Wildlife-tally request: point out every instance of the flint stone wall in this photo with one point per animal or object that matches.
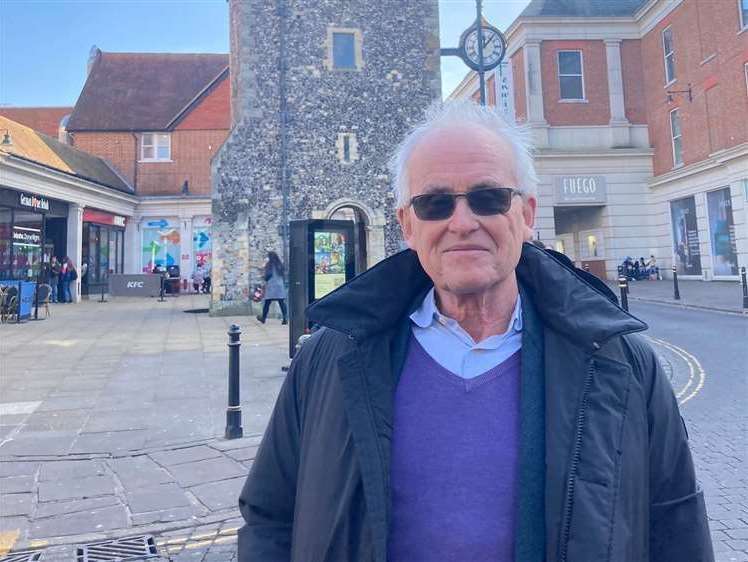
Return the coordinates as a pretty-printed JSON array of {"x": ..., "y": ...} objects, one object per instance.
[{"x": 397, "y": 79}]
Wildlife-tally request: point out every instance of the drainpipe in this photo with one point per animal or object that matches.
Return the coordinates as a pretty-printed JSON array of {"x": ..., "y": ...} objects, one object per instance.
[{"x": 135, "y": 166}]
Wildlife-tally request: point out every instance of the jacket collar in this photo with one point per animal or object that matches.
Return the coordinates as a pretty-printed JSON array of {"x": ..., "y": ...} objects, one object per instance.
[{"x": 380, "y": 298}]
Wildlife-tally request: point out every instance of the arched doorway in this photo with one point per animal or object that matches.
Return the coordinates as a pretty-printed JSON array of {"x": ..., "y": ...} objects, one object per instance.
[{"x": 351, "y": 213}]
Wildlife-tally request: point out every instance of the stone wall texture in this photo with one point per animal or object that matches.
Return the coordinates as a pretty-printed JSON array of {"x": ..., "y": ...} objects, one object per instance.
[{"x": 397, "y": 78}]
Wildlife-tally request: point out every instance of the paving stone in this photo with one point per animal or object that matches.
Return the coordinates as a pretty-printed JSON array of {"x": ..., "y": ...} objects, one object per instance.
[
  {"x": 109, "y": 442},
  {"x": 70, "y": 470},
  {"x": 18, "y": 468},
  {"x": 185, "y": 455},
  {"x": 210, "y": 470},
  {"x": 219, "y": 495},
  {"x": 167, "y": 515},
  {"x": 243, "y": 454},
  {"x": 13, "y": 524},
  {"x": 156, "y": 498},
  {"x": 15, "y": 504},
  {"x": 88, "y": 487},
  {"x": 136, "y": 472},
  {"x": 737, "y": 533},
  {"x": 94, "y": 521},
  {"x": 16, "y": 484},
  {"x": 50, "y": 509},
  {"x": 39, "y": 443}
]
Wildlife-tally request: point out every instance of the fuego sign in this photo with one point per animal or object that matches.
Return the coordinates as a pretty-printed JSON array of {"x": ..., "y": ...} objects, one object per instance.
[{"x": 580, "y": 190}]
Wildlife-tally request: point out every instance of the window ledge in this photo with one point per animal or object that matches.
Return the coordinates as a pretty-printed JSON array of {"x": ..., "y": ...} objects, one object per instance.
[
  {"x": 573, "y": 101},
  {"x": 678, "y": 166},
  {"x": 154, "y": 161}
]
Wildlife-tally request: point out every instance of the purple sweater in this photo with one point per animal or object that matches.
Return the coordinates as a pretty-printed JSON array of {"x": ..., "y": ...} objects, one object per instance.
[{"x": 454, "y": 466}]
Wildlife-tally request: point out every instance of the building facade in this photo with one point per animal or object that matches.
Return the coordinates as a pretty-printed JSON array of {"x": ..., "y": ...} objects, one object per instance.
[
  {"x": 319, "y": 100},
  {"x": 159, "y": 119},
  {"x": 58, "y": 201},
  {"x": 638, "y": 112}
]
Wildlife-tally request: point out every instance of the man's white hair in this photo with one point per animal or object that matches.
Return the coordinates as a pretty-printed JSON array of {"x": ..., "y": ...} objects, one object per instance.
[{"x": 448, "y": 114}]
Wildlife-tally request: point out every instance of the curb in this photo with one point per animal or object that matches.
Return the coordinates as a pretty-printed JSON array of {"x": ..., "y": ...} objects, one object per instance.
[
  {"x": 151, "y": 529},
  {"x": 733, "y": 311}
]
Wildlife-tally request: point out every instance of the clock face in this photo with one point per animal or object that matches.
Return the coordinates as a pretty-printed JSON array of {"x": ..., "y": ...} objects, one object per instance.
[{"x": 493, "y": 48}]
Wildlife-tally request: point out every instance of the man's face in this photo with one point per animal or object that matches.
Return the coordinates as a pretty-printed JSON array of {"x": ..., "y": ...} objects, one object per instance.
[{"x": 466, "y": 253}]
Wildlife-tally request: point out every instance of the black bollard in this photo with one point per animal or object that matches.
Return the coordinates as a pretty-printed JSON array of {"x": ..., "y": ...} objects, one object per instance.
[
  {"x": 102, "y": 294},
  {"x": 161, "y": 292},
  {"x": 234, "y": 410},
  {"x": 744, "y": 283},
  {"x": 676, "y": 292},
  {"x": 624, "y": 286}
]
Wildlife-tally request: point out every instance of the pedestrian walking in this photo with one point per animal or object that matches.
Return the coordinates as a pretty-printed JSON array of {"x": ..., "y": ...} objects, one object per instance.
[
  {"x": 275, "y": 287},
  {"x": 473, "y": 397}
]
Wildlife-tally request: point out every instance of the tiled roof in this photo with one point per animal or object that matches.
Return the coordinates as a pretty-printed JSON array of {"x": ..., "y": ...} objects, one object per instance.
[
  {"x": 43, "y": 119},
  {"x": 42, "y": 149},
  {"x": 581, "y": 8},
  {"x": 142, "y": 91}
]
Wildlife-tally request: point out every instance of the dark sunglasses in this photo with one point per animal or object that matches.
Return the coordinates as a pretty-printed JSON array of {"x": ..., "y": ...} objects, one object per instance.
[{"x": 482, "y": 202}]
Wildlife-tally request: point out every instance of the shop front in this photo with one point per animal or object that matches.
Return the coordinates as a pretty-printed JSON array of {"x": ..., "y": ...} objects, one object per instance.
[
  {"x": 578, "y": 205},
  {"x": 32, "y": 230},
  {"x": 103, "y": 251}
]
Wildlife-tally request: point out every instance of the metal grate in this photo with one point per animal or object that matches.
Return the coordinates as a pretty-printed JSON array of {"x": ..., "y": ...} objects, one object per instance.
[
  {"x": 131, "y": 549},
  {"x": 22, "y": 557}
]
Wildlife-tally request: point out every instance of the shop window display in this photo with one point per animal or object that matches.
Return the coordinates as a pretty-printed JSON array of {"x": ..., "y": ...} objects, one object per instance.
[{"x": 161, "y": 245}]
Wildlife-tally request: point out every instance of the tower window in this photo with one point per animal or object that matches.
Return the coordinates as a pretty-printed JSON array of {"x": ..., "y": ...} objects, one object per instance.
[{"x": 344, "y": 50}]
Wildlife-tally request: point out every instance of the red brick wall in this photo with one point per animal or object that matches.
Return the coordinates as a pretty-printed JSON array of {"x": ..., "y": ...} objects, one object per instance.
[
  {"x": 490, "y": 92},
  {"x": 518, "y": 79},
  {"x": 596, "y": 109},
  {"x": 191, "y": 152},
  {"x": 633, "y": 82},
  {"x": 117, "y": 148},
  {"x": 213, "y": 112},
  {"x": 709, "y": 54}
]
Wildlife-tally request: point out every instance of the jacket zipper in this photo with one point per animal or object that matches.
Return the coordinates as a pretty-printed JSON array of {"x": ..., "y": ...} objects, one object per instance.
[{"x": 571, "y": 483}]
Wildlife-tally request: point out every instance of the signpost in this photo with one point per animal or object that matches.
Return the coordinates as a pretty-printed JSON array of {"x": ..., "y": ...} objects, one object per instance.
[{"x": 482, "y": 48}]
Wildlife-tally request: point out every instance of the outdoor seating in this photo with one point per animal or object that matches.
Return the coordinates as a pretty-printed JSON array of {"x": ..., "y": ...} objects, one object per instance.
[
  {"x": 43, "y": 296},
  {"x": 9, "y": 304}
]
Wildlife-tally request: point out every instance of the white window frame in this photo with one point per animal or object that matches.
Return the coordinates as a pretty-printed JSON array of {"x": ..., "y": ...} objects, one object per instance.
[
  {"x": 558, "y": 72},
  {"x": 743, "y": 22},
  {"x": 676, "y": 163},
  {"x": 669, "y": 79},
  {"x": 154, "y": 143}
]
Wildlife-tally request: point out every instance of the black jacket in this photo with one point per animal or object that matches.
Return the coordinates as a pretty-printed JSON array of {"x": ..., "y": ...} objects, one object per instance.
[{"x": 619, "y": 479}]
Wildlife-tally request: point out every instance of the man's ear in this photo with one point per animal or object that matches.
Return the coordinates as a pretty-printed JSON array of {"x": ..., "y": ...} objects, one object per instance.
[
  {"x": 529, "y": 207},
  {"x": 406, "y": 224}
]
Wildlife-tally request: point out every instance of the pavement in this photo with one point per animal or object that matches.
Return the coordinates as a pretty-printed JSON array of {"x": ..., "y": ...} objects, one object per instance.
[
  {"x": 112, "y": 418},
  {"x": 111, "y": 425},
  {"x": 723, "y": 296}
]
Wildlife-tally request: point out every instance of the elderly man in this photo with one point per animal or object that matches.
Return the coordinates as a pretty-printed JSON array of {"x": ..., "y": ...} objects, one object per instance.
[{"x": 473, "y": 398}]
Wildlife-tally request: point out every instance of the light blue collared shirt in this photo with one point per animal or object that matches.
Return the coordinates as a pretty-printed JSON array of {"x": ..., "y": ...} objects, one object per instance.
[{"x": 454, "y": 349}]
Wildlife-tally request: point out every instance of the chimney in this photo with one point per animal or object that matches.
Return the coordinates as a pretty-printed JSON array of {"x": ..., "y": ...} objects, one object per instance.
[{"x": 93, "y": 54}]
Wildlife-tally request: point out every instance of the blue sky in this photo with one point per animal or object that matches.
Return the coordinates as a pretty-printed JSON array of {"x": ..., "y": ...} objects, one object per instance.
[{"x": 44, "y": 44}]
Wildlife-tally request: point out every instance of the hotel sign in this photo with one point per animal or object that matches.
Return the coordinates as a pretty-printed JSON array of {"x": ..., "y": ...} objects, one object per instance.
[
  {"x": 580, "y": 190},
  {"x": 33, "y": 201}
]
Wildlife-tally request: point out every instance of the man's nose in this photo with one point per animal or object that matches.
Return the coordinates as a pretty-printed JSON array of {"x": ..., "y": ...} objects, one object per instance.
[{"x": 463, "y": 219}]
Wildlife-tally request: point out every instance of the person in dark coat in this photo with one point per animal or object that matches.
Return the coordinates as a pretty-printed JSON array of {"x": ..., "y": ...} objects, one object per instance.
[
  {"x": 474, "y": 397},
  {"x": 275, "y": 287}
]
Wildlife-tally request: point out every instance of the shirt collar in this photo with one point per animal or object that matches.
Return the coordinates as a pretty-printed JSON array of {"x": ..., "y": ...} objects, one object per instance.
[{"x": 428, "y": 313}]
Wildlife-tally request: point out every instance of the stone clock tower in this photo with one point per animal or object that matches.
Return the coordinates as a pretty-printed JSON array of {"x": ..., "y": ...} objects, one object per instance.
[{"x": 322, "y": 90}]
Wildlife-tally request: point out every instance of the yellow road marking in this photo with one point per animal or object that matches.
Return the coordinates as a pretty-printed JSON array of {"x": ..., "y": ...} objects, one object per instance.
[
  {"x": 196, "y": 541},
  {"x": 7, "y": 540},
  {"x": 38, "y": 543},
  {"x": 697, "y": 374}
]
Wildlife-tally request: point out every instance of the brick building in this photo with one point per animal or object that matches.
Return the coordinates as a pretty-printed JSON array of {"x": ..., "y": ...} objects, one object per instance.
[
  {"x": 158, "y": 119},
  {"x": 638, "y": 110}
]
